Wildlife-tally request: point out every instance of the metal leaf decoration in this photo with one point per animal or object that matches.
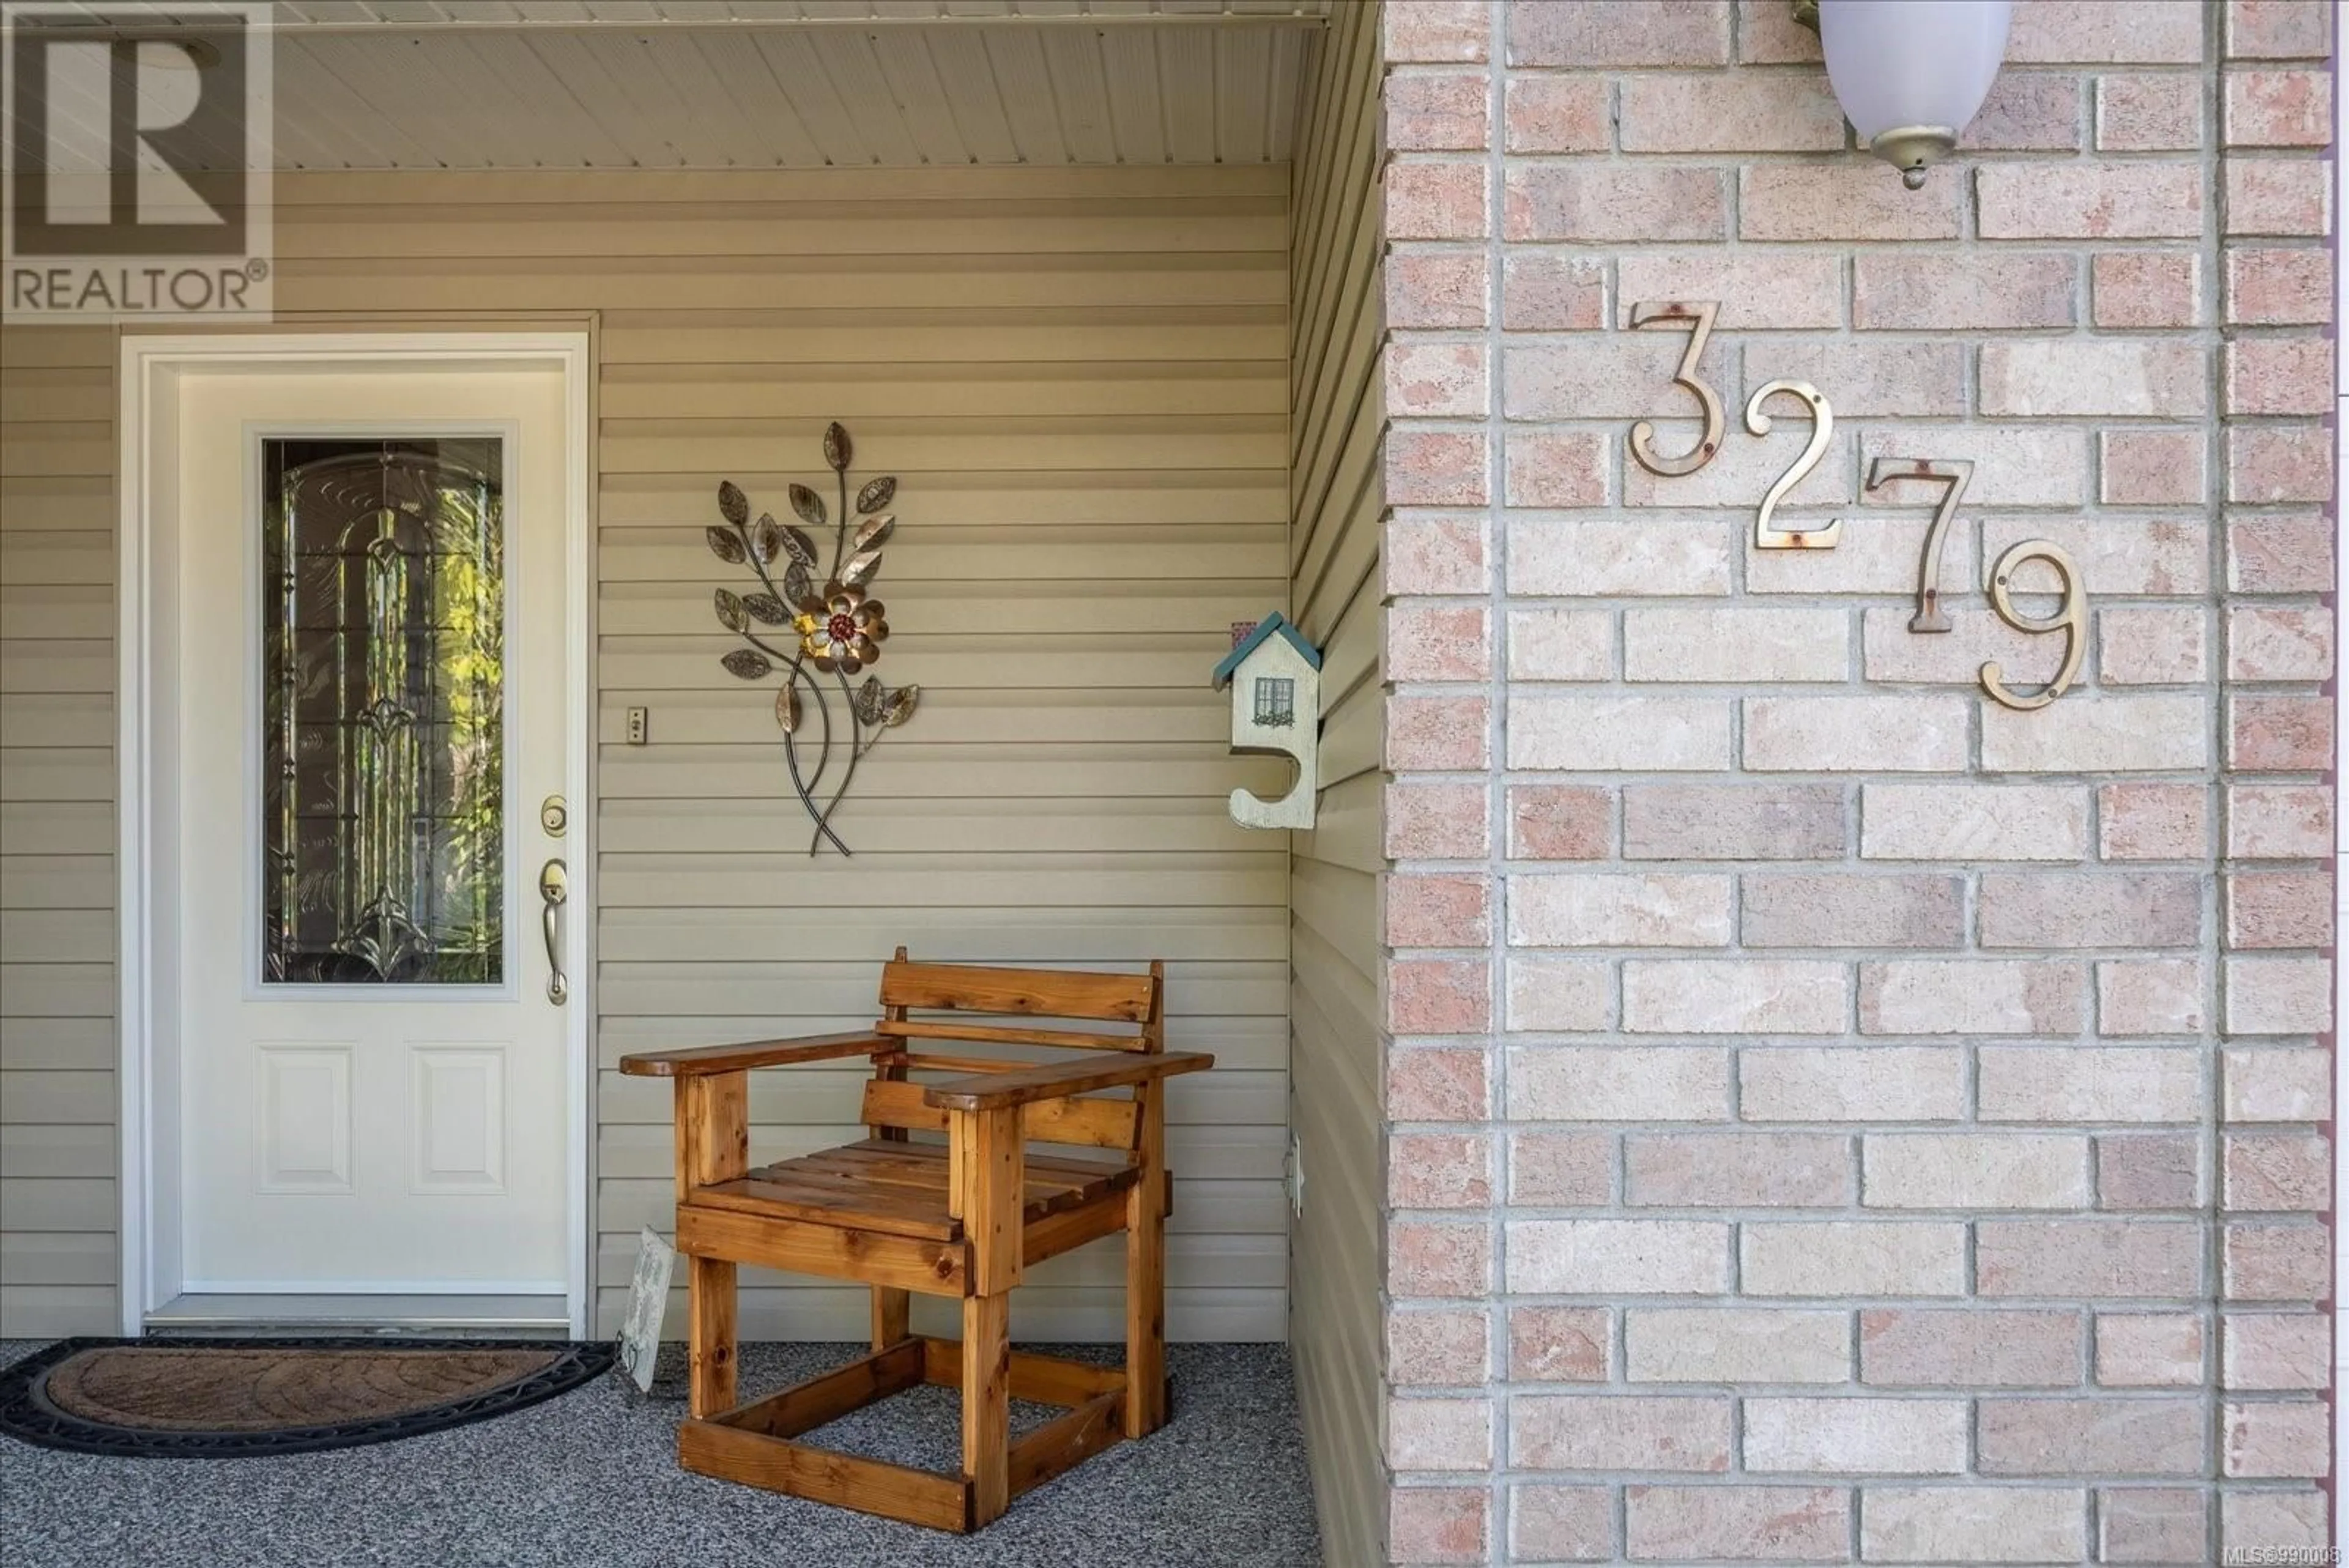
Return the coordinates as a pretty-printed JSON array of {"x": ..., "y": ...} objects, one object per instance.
[
  {"x": 766, "y": 539},
  {"x": 808, "y": 504},
  {"x": 821, "y": 554}
]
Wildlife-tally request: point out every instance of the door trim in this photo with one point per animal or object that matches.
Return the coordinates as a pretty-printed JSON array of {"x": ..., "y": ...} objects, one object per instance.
[{"x": 148, "y": 1079}]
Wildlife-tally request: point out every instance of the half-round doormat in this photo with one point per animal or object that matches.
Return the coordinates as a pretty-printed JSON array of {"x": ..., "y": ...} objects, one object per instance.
[{"x": 237, "y": 1398}]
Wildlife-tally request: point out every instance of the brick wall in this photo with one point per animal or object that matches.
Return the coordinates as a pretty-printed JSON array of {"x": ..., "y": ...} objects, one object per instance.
[{"x": 1834, "y": 1117}]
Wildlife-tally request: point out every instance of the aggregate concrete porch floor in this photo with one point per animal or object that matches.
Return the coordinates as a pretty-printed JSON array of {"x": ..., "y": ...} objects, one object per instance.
[{"x": 590, "y": 1480}]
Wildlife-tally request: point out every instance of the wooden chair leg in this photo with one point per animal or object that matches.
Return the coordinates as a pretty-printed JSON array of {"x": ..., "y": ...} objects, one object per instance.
[
  {"x": 891, "y": 1316},
  {"x": 709, "y": 1336},
  {"x": 986, "y": 1405},
  {"x": 1145, "y": 1306}
]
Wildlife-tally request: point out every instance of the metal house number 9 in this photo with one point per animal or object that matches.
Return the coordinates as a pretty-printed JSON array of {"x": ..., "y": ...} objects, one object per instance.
[{"x": 2071, "y": 618}]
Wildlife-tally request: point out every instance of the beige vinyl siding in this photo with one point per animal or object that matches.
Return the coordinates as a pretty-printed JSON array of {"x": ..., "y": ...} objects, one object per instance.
[
  {"x": 58, "y": 1203},
  {"x": 1336, "y": 425},
  {"x": 1079, "y": 376}
]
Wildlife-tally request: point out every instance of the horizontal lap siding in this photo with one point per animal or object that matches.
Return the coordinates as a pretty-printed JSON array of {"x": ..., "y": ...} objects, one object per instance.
[
  {"x": 1079, "y": 377},
  {"x": 58, "y": 1203},
  {"x": 1333, "y": 1001},
  {"x": 1081, "y": 396},
  {"x": 1078, "y": 385}
]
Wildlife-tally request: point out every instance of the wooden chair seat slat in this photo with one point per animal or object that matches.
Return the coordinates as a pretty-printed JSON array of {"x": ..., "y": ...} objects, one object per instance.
[
  {"x": 900, "y": 1188},
  {"x": 1075, "y": 1167},
  {"x": 928, "y": 1167},
  {"x": 778, "y": 1192},
  {"x": 915, "y": 1178}
]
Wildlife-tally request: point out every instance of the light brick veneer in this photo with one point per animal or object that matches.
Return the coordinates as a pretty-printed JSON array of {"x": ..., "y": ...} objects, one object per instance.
[{"x": 1834, "y": 1118}]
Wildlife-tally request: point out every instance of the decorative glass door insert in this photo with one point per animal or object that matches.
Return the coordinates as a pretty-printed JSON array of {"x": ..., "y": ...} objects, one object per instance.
[{"x": 383, "y": 766}]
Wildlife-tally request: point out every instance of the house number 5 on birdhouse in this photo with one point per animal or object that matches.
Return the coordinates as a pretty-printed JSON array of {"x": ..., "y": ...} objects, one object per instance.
[{"x": 1275, "y": 678}]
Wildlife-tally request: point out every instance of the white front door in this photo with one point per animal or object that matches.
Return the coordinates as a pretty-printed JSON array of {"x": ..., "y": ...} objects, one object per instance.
[{"x": 366, "y": 712}]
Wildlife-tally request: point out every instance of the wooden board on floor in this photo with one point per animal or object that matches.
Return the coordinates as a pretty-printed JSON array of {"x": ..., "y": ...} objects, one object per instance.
[
  {"x": 822, "y": 1475},
  {"x": 804, "y": 1406},
  {"x": 1066, "y": 1441}
]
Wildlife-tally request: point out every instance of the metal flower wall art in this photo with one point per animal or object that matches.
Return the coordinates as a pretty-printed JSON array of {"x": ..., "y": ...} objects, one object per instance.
[{"x": 818, "y": 631}]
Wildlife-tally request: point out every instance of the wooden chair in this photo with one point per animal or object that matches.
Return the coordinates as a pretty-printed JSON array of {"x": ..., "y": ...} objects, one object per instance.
[{"x": 963, "y": 1217}]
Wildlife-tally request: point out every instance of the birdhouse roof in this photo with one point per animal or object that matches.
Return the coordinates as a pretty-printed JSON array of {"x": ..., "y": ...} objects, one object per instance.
[{"x": 1275, "y": 622}]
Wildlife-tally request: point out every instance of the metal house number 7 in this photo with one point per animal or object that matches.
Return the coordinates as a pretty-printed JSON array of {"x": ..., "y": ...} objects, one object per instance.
[{"x": 1953, "y": 476}]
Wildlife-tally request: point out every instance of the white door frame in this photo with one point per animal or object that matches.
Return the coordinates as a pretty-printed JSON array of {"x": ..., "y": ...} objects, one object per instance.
[{"x": 150, "y": 1059}]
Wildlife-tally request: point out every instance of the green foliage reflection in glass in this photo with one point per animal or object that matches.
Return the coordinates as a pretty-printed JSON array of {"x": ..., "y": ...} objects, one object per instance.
[{"x": 383, "y": 657}]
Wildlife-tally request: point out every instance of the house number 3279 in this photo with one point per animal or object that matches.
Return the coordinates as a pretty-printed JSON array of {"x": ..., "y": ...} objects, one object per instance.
[{"x": 2071, "y": 616}]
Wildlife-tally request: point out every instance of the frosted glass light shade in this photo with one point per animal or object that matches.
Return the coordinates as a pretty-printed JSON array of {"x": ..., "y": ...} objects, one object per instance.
[{"x": 1910, "y": 74}]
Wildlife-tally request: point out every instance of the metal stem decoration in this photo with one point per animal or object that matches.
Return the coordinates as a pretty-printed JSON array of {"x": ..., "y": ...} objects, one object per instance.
[{"x": 838, "y": 631}]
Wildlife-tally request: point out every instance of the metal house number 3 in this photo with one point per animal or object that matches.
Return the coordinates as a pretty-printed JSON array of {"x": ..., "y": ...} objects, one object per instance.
[
  {"x": 2071, "y": 616},
  {"x": 1697, "y": 316}
]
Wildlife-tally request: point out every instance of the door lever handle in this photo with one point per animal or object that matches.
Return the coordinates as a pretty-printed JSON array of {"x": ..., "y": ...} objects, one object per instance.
[{"x": 553, "y": 890}]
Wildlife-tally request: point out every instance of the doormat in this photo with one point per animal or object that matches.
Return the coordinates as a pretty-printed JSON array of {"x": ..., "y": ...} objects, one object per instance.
[{"x": 239, "y": 1398}]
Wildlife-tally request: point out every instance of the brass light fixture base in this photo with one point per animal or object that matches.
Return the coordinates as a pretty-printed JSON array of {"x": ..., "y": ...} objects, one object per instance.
[{"x": 1910, "y": 148}]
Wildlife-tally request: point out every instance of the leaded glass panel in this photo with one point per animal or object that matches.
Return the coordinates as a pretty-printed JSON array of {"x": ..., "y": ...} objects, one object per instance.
[{"x": 383, "y": 651}]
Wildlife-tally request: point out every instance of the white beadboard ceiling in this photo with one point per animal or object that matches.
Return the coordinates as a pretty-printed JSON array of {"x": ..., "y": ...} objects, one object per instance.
[{"x": 792, "y": 84}]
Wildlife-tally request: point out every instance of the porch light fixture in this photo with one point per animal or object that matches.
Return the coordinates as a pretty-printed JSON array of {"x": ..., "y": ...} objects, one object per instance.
[{"x": 1910, "y": 74}]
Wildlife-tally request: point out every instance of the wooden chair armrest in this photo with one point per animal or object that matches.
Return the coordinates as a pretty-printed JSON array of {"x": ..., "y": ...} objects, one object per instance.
[
  {"x": 701, "y": 1059},
  {"x": 1058, "y": 1080}
]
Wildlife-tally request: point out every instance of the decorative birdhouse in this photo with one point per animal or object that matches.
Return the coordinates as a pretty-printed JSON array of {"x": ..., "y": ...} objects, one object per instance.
[{"x": 1274, "y": 676}]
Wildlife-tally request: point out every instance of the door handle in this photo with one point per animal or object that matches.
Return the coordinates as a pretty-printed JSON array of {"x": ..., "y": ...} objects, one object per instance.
[{"x": 553, "y": 889}]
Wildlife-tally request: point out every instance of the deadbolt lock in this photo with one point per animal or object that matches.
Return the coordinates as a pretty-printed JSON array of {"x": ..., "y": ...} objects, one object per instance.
[{"x": 552, "y": 817}]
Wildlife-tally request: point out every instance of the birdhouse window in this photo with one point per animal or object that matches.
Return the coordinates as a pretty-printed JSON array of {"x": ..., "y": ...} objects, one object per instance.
[{"x": 1276, "y": 702}]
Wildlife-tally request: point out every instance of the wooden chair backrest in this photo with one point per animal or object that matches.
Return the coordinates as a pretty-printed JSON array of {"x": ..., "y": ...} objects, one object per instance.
[{"x": 893, "y": 1100}]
